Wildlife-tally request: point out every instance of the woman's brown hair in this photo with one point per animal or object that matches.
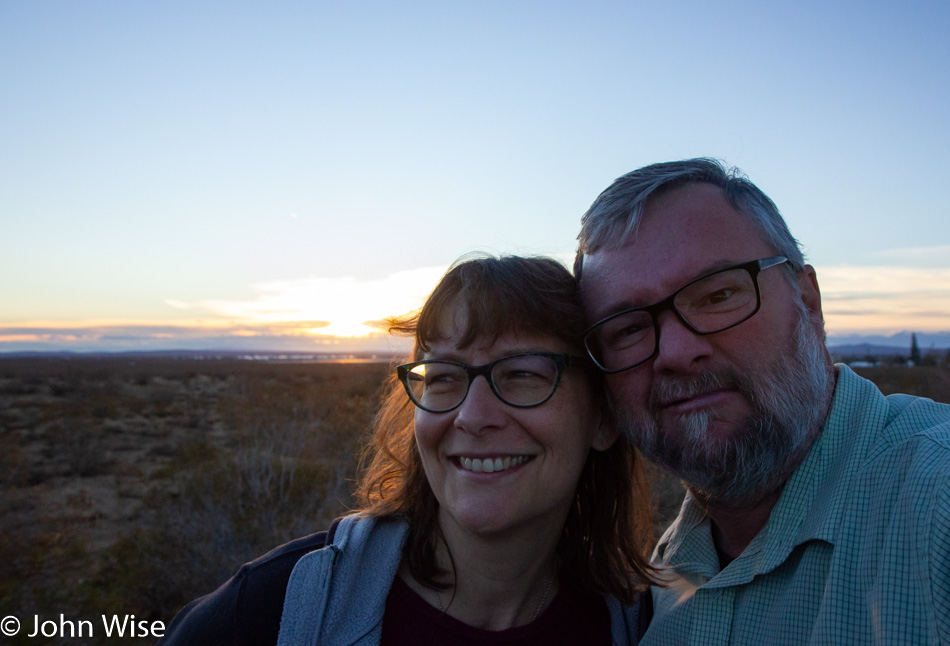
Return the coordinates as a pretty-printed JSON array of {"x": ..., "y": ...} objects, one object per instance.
[{"x": 608, "y": 529}]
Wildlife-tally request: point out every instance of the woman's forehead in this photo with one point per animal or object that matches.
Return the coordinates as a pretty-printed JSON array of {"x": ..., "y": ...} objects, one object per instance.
[
  {"x": 453, "y": 334},
  {"x": 503, "y": 343},
  {"x": 458, "y": 325}
]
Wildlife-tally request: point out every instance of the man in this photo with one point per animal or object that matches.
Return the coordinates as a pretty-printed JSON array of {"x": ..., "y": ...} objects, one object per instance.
[{"x": 817, "y": 511}]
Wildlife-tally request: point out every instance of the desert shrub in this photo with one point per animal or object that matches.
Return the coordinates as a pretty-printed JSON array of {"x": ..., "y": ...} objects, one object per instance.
[
  {"x": 282, "y": 468},
  {"x": 37, "y": 559},
  {"x": 13, "y": 464},
  {"x": 16, "y": 387},
  {"x": 923, "y": 381},
  {"x": 161, "y": 402},
  {"x": 78, "y": 445},
  {"x": 227, "y": 508},
  {"x": 62, "y": 388}
]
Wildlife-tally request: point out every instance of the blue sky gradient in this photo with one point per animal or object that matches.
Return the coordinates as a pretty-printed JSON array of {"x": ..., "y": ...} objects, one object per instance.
[{"x": 217, "y": 167}]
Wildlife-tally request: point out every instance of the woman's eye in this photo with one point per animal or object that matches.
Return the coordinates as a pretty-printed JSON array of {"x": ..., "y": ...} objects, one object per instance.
[
  {"x": 521, "y": 374},
  {"x": 441, "y": 378}
]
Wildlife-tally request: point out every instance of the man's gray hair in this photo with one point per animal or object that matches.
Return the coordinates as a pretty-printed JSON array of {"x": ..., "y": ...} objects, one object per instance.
[{"x": 614, "y": 216}]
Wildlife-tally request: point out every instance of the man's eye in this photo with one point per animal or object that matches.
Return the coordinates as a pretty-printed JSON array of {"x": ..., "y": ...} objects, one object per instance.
[
  {"x": 626, "y": 335},
  {"x": 720, "y": 296},
  {"x": 724, "y": 299}
]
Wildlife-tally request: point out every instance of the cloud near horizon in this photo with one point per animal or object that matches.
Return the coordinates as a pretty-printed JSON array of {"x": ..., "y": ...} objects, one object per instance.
[
  {"x": 286, "y": 336},
  {"x": 885, "y": 299},
  {"x": 306, "y": 315},
  {"x": 347, "y": 314},
  {"x": 351, "y": 307},
  {"x": 934, "y": 256}
]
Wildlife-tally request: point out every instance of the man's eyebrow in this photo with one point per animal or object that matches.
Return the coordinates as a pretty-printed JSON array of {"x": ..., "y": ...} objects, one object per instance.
[
  {"x": 617, "y": 308},
  {"x": 713, "y": 268},
  {"x": 627, "y": 304}
]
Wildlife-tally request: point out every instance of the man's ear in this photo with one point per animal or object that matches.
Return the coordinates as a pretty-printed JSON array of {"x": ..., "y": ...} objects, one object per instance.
[
  {"x": 811, "y": 297},
  {"x": 605, "y": 435}
]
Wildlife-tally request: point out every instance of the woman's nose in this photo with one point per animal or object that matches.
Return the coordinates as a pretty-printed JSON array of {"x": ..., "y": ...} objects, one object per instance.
[{"x": 481, "y": 410}]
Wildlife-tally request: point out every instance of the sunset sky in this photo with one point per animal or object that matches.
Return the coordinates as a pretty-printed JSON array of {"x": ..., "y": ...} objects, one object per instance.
[{"x": 273, "y": 176}]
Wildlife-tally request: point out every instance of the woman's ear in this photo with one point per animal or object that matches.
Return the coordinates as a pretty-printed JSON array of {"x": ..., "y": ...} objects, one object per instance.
[{"x": 605, "y": 434}]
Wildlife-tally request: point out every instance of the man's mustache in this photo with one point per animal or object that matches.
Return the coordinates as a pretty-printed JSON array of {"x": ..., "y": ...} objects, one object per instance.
[{"x": 668, "y": 390}]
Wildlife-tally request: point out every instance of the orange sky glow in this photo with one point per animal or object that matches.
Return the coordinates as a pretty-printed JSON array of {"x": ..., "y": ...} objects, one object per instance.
[{"x": 347, "y": 315}]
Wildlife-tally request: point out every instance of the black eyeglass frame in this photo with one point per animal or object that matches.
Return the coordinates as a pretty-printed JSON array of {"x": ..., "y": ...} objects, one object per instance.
[
  {"x": 754, "y": 267},
  {"x": 561, "y": 361}
]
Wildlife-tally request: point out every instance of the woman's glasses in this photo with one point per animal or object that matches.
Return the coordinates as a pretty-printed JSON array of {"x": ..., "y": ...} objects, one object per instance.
[{"x": 521, "y": 380}]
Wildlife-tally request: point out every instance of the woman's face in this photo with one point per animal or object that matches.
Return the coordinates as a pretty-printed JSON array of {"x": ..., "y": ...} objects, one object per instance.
[{"x": 541, "y": 450}]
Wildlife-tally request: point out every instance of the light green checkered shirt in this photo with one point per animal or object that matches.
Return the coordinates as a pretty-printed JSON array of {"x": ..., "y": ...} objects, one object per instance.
[{"x": 856, "y": 551}]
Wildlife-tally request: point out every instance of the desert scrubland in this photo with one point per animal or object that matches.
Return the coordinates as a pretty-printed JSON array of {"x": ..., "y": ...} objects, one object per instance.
[{"x": 130, "y": 486}]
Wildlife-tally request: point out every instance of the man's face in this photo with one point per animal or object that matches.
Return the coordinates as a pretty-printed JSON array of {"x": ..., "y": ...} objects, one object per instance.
[{"x": 730, "y": 412}]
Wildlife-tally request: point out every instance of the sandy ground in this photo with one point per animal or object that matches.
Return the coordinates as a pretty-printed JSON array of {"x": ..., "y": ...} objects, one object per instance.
[{"x": 84, "y": 456}]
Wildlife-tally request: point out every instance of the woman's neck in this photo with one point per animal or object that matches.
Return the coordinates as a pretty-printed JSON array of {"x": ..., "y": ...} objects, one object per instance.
[{"x": 500, "y": 581}]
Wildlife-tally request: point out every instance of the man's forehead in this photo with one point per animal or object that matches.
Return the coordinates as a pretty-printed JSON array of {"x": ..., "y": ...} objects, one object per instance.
[
  {"x": 665, "y": 254},
  {"x": 608, "y": 284},
  {"x": 676, "y": 216}
]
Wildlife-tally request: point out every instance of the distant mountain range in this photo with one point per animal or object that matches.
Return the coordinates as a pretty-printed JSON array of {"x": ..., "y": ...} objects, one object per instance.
[
  {"x": 880, "y": 345},
  {"x": 208, "y": 355},
  {"x": 924, "y": 339},
  {"x": 853, "y": 345}
]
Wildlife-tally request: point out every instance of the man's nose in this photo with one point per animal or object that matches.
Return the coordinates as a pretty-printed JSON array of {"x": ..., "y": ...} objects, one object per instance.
[
  {"x": 679, "y": 349},
  {"x": 481, "y": 411}
]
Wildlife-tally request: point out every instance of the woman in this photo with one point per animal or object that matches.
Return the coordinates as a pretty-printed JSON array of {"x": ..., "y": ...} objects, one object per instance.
[{"x": 497, "y": 506}]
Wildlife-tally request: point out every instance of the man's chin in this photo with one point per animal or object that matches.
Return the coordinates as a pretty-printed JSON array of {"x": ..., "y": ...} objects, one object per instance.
[
  {"x": 709, "y": 430},
  {"x": 736, "y": 451},
  {"x": 720, "y": 460},
  {"x": 706, "y": 431}
]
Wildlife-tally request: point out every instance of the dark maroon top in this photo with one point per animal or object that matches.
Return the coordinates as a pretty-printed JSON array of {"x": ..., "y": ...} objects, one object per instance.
[{"x": 572, "y": 618}]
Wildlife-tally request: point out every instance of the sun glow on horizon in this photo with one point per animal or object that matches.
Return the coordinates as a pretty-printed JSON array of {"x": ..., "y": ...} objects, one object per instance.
[
  {"x": 351, "y": 329},
  {"x": 345, "y": 307},
  {"x": 346, "y": 314}
]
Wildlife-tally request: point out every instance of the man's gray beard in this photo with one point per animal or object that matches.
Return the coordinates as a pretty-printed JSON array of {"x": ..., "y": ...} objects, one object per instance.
[{"x": 787, "y": 412}]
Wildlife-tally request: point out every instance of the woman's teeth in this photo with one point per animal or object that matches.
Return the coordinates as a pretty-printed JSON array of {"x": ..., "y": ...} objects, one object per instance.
[{"x": 491, "y": 465}]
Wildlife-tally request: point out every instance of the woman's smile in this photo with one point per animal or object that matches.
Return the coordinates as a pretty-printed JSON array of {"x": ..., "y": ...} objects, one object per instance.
[{"x": 489, "y": 464}]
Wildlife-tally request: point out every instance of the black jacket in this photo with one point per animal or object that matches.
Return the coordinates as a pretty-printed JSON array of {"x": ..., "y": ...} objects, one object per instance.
[{"x": 246, "y": 609}]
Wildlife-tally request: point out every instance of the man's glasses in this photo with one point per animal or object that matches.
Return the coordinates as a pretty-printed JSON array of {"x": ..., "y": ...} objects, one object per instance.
[
  {"x": 713, "y": 303},
  {"x": 521, "y": 380}
]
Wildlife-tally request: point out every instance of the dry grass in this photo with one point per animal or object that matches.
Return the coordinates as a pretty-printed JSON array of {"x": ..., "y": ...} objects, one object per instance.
[
  {"x": 135, "y": 486},
  {"x": 924, "y": 381}
]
